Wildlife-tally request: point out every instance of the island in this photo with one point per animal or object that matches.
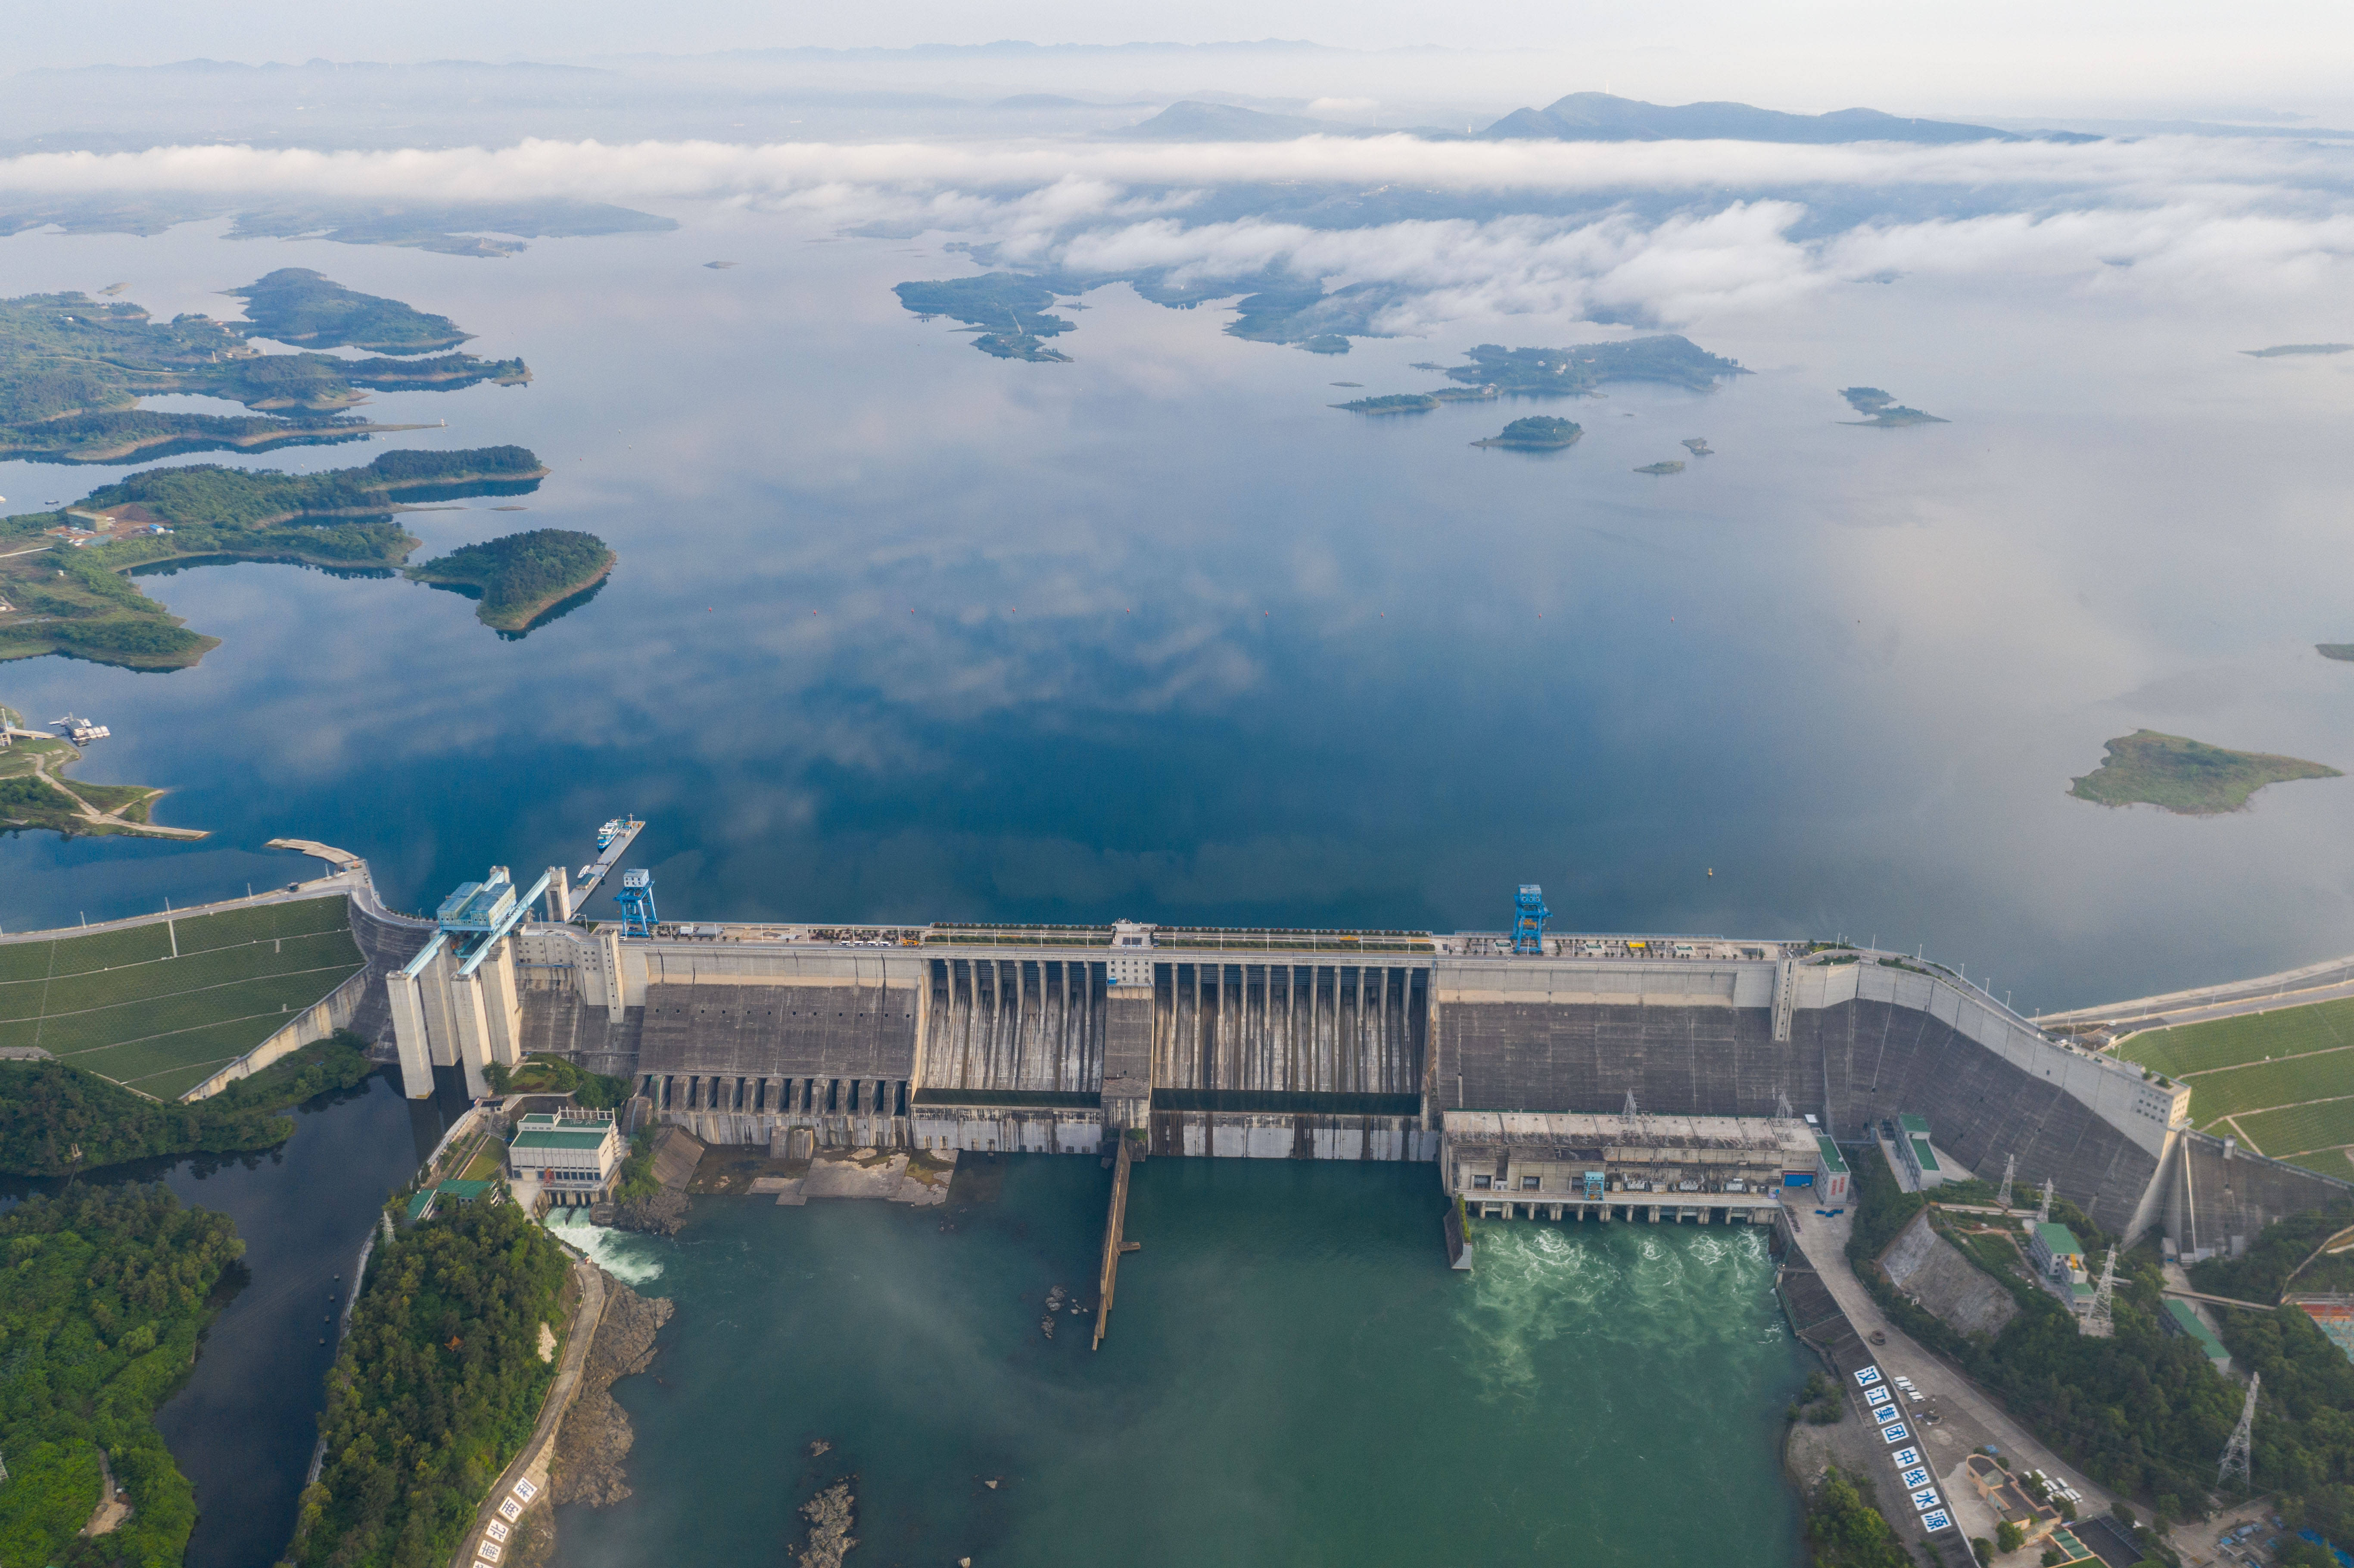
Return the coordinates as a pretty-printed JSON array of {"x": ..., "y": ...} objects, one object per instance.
[
  {"x": 1886, "y": 413},
  {"x": 1698, "y": 446},
  {"x": 297, "y": 305},
  {"x": 2186, "y": 777},
  {"x": 1669, "y": 466},
  {"x": 73, "y": 370},
  {"x": 62, "y": 572},
  {"x": 34, "y": 798},
  {"x": 1009, "y": 309},
  {"x": 523, "y": 578},
  {"x": 1394, "y": 403},
  {"x": 2280, "y": 349},
  {"x": 1538, "y": 433},
  {"x": 1576, "y": 371},
  {"x": 2336, "y": 650},
  {"x": 452, "y": 229}
]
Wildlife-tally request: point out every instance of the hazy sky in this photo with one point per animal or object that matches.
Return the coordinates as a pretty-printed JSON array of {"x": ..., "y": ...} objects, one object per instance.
[{"x": 1934, "y": 56}]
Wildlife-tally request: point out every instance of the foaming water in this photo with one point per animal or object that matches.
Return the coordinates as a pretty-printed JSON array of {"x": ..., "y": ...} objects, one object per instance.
[
  {"x": 1293, "y": 1375},
  {"x": 633, "y": 1259}
]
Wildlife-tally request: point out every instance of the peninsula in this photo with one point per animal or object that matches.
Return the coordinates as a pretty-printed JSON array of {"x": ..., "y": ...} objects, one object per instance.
[
  {"x": 61, "y": 572},
  {"x": 1885, "y": 412},
  {"x": 2344, "y": 650},
  {"x": 1538, "y": 433},
  {"x": 520, "y": 577},
  {"x": 2186, "y": 777},
  {"x": 73, "y": 369},
  {"x": 1009, "y": 309},
  {"x": 2279, "y": 350},
  {"x": 33, "y": 797}
]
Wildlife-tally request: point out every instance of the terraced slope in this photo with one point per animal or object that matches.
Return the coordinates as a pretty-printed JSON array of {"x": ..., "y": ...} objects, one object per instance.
[
  {"x": 121, "y": 1004},
  {"x": 2282, "y": 1082}
]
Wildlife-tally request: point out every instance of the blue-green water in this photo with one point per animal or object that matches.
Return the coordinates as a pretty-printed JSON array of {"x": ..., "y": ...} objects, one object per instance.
[{"x": 1293, "y": 1376}]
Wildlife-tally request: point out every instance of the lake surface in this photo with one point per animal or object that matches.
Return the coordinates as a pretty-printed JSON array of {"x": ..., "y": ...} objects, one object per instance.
[
  {"x": 903, "y": 633},
  {"x": 243, "y": 1427},
  {"x": 1293, "y": 1376}
]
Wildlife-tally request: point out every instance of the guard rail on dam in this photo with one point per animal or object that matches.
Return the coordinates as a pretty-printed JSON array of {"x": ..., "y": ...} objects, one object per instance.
[{"x": 1339, "y": 1045}]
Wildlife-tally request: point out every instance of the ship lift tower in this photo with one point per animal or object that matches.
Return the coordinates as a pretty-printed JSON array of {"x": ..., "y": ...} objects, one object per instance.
[
  {"x": 637, "y": 901},
  {"x": 1528, "y": 924}
]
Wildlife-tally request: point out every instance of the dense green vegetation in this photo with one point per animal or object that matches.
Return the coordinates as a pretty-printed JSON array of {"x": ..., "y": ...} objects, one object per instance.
[
  {"x": 2187, "y": 776},
  {"x": 521, "y": 574},
  {"x": 1884, "y": 411},
  {"x": 56, "y": 1118},
  {"x": 1391, "y": 403},
  {"x": 1539, "y": 432},
  {"x": 1575, "y": 371},
  {"x": 437, "y": 1387},
  {"x": 1844, "y": 1529},
  {"x": 75, "y": 601},
  {"x": 101, "y": 1300},
  {"x": 297, "y": 305},
  {"x": 1011, "y": 308},
  {"x": 2141, "y": 1413},
  {"x": 72, "y": 369},
  {"x": 2262, "y": 1273},
  {"x": 120, "y": 1003},
  {"x": 544, "y": 1074}
]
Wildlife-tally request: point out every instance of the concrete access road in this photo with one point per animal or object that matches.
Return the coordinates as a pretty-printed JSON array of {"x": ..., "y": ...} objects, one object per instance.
[{"x": 1968, "y": 1416}]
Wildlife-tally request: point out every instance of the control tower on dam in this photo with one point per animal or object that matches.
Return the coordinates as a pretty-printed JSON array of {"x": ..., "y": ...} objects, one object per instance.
[{"x": 1321, "y": 1044}]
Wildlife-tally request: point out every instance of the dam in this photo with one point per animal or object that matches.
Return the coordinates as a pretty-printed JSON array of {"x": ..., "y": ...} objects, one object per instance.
[{"x": 1265, "y": 1043}]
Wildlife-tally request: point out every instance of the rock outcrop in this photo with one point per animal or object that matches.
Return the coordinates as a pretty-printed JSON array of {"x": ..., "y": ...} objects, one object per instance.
[{"x": 593, "y": 1445}]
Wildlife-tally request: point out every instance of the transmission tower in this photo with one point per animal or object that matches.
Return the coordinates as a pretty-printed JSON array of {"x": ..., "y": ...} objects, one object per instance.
[
  {"x": 2098, "y": 1323},
  {"x": 1781, "y": 1111},
  {"x": 2010, "y": 1169},
  {"x": 2043, "y": 1210},
  {"x": 1630, "y": 1113},
  {"x": 2235, "y": 1452}
]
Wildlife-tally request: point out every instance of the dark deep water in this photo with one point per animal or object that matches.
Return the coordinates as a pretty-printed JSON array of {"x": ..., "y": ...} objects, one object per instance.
[
  {"x": 902, "y": 632},
  {"x": 1293, "y": 1376},
  {"x": 243, "y": 1426}
]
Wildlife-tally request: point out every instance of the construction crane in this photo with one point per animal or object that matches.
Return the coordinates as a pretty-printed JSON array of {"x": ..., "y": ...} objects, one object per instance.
[{"x": 1528, "y": 924}]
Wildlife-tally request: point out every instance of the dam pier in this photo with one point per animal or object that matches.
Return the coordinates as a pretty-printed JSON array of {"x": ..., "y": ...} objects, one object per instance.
[{"x": 1544, "y": 1074}]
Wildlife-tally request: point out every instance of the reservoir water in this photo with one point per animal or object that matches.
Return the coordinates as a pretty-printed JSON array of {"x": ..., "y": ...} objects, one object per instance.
[
  {"x": 1292, "y": 1377},
  {"x": 901, "y": 631}
]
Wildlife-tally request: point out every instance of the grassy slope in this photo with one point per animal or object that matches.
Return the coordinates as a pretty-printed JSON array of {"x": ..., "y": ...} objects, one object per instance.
[
  {"x": 119, "y": 1004},
  {"x": 2283, "y": 1082},
  {"x": 2186, "y": 776}
]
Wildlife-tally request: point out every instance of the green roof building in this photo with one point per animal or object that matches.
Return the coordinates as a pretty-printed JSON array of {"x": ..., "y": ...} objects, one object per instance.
[
  {"x": 2056, "y": 1252},
  {"x": 1919, "y": 1160},
  {"x": 2181, "y": 1318},
  {"x": 569, "y": 1157}
]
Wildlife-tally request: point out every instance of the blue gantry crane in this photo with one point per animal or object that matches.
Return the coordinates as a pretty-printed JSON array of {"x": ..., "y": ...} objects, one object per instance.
[
  {"x": 1528, "y": 924},
  {"x": 637, "y": 901}
]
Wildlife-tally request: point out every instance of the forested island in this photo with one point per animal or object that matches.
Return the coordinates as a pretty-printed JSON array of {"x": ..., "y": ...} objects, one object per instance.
[
  {"x": 521, "y": 577},
  {"x": 2187, "y": 776},
  {"x": 72, "y": 370},
  {"x": 297, "y": 305},
  {"x": 1671, "y": 465},
  {"x": 106, "y": 1291},
  {"x": 437, "y": 1386},
  {"x": 1886, "y": 413},
  {"x": 72, "y": 597},
  {"x": 1497, "y": 372},
  {"x": 1011, "y": 309},
  {"x": 1538, "y": 433}
]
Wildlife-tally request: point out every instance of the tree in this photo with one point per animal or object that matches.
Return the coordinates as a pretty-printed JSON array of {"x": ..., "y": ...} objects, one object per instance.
[{"x": 2008, "y": 1537}]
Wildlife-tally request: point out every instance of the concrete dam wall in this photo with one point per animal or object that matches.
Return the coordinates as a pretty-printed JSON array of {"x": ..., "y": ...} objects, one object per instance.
[{"x": 1348, "y": 1045}]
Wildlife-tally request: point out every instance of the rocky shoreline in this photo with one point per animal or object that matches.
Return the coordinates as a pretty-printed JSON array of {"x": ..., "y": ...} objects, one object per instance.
[{"x": 592, "y": 1448}]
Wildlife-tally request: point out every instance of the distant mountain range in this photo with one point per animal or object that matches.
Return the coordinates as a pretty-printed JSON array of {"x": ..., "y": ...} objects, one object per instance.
[{"x": 1595, "y": 117}]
